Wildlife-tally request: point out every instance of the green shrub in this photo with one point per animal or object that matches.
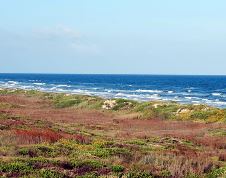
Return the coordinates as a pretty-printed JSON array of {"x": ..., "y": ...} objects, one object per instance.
[
  {"x": 165, "y": 173},
  {"x": 192, "y": 175},
  {"x": 16, "y": 167},
  {"x": 88, "y": 175},
  {"x": 44, "y": 173},
  {"x": 67, "y": 103},
  {"x": 91, "y": 163},
  {"x": 137, "y": 142},
  {"x": 124, "y": 104},
  {"x": 221, "y": 172},
  {"x": 138, "y": 174},
  {"x": 117, "y": 168},
  {"x": 38, "y": 150},
  {"x": 101, "y": 152},
  {"x": 23, "y": 151}
]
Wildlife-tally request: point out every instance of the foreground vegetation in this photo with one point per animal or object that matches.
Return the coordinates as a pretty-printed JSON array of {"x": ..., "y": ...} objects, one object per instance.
[{"x": 62, "y": 135}]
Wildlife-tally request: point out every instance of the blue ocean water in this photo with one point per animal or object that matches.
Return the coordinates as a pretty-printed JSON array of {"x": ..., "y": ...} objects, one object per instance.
[{"x": 209, "y": 90}]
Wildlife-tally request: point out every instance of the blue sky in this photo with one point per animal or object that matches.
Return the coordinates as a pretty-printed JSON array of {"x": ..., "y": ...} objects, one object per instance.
[{"x": 114, "y": 36}]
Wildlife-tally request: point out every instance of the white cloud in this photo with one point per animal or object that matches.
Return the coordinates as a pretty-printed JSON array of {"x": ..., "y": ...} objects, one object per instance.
[
  {"x": 67, "y": 37},
  {"x": 59, "y": 32}
]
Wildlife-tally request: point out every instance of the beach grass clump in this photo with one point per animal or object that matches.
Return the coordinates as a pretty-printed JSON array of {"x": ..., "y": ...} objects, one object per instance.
[
  {"x": 80, "y": 101},
  {"x": 124, "y": 104},
  {"x": 62, "y": 101}
]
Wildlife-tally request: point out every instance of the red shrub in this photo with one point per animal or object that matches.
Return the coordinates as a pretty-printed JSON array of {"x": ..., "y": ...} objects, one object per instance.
[{"x": 37, "y": 136}]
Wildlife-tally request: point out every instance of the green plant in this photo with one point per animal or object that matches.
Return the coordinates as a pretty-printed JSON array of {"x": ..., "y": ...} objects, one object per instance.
[
  {"x": 16, "y": 167},
  {"x": 138, "y": 174},
  {"x": 221, "y": 172},
  {"x": 88, "y": 175},
  {"x": 101, "y": 152},
  {"x": 90, "y": 163},
  {"x": 117, "y": 168},
  {"x": 44, "y": 173}
]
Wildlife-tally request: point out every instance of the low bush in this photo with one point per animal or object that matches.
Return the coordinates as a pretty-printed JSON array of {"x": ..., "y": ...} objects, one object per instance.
[
  {"x": 44, "y": 173},
  {"x": 16, "y": 167},
  {"x": 117, "y": 168},
  {"x": 139, "y": 174}
]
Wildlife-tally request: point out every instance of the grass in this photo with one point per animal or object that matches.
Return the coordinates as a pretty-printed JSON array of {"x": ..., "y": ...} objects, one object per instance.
[{"x": 59, "y": 135}]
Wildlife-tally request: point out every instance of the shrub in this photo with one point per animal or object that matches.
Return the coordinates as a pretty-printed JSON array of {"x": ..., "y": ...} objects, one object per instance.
[
  {"x": 37, "y": 136},
  {"x": 67, "y": 103},
  {"x": 221, "y": 172},
  {"x": 38, "y": 150},
  {"x": 16, "y": 167},
  {"x": 124, "y": 104},
  {"x": 101, "y": 152},
  {"x": 117, "y": 168},
  {"x": 24, "y": 151},
  {"x": 90, "y": 163},
  {"x": 44, "y": 173},
  {"x": 138, "y": 174},
  {"x": 89, "y": 175},
  {"x": 137, "y": 142}
]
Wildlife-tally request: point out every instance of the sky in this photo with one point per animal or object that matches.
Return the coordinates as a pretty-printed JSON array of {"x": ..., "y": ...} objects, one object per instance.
[{"x": 113, "y": 37}]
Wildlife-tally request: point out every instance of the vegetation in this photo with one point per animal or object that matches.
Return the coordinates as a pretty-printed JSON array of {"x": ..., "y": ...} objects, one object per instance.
[{"x": 58, "y": 135}]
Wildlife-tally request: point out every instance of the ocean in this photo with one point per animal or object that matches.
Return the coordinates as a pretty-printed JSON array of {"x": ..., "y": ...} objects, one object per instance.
[{"x": 210, "y": 90}]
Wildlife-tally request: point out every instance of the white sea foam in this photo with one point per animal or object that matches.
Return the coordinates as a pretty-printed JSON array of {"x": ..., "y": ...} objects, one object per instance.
[
  {"x": 216, "y": 94},
  {"x": 12, "y": 83},
  {"x": 170, "y": 92},
  {"x": 119, "y": 94},
  {"x": 148, "y": 91},
  {"x": 39, "y": 84},
  {"x": 63, "y": 85},
  {"x": 188, "y": 98}
]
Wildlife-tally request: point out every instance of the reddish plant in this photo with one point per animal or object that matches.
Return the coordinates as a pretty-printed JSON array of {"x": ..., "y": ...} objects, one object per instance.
[{"x": 37, "y": 135}]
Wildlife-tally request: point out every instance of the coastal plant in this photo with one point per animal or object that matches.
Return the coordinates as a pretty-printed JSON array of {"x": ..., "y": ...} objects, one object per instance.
[
  {"x": 93, "y": 164},
  {"x": 37, "y": 136},
  {"x": 45, "y": 173},
  {"x": 15, "y": 167},
  {"x": 138, "y": 174},
  {"x": 124, "y": 104},
  {"x": 220, "y": 172},
  {"x": 38, "y": 150},
  {"x": 117, "y": 168}
]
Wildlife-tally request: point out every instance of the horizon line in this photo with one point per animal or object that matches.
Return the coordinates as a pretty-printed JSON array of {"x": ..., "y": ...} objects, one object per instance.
[{"x": 154, "y": 74}]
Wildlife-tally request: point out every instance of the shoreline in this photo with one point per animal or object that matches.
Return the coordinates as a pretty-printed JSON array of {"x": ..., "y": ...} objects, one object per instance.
[
  {"x": 126, "y": 98},
  {"x": 142, "y": 109}
]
